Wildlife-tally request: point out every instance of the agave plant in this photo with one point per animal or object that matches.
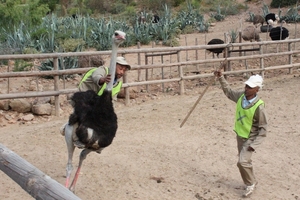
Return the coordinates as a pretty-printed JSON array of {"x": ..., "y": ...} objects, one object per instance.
[
  {"x": 63, "y": 63},
  {"x": 218, "y": 15},
  {"x": 233, "y": 35},
  {"x": 265, "y": 9},
  {"x": 292, "y": 15},
  {"x": 19, "y": 38}
]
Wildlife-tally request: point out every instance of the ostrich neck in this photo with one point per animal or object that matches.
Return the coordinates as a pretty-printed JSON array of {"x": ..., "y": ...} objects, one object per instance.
[{"x": 112, "y": 66}]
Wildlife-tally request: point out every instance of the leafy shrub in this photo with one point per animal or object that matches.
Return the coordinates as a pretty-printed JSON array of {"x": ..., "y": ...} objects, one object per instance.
[
  {"x": 30, "y": 50},
  {"x": 282, "y": 3},
  {"x": 291, "y": 16},
  {"x": 21, "y": 65},
  {"x": 71, "y": 45}
]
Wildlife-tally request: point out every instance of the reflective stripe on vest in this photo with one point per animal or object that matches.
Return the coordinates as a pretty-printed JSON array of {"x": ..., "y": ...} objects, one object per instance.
[
  {"x": 116, "y": 89},
  {"x": 244, "y": 118}
]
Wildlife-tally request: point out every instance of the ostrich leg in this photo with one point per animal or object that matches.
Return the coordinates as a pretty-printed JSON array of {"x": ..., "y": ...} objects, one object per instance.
[
  {"x": 69, "y": 140},
  {"x": 83, "y": 155}
]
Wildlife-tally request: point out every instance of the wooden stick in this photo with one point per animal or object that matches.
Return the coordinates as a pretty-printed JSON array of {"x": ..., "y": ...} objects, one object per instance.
[
  {"x": 200, "y": 97},
  {"x": 31, "y": 179}
]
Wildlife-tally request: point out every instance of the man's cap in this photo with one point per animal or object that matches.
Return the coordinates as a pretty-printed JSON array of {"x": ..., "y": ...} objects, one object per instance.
[
  {"x": 255, "y": 81},
  {"x": 122, "y": 61}
]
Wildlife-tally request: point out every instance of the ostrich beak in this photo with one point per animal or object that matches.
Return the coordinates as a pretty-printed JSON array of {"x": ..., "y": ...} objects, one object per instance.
[{"x": 120, "y": 36}]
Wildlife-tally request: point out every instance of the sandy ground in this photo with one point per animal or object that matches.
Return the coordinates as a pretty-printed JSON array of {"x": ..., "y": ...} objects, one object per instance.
[
  {"x": 197, "y": 161},
  {"x": 153, "y": 158}
]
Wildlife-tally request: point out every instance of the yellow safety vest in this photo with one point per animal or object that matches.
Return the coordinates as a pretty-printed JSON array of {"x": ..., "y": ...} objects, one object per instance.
[
  {"x": 244, "y": 118},
  {"x": 116, "y": 89}
]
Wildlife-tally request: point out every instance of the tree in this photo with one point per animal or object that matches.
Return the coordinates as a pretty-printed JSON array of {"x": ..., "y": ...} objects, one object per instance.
[
  {"x": 13, "y": 12},
  {"x": 51, "y": 4}
]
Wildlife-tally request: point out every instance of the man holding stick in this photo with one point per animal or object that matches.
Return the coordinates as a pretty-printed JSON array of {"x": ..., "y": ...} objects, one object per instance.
[{"x": 250, "y": 124}]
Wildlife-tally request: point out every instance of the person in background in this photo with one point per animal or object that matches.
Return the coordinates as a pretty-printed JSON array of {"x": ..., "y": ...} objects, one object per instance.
[
  {"x": 250, "y": 124},
  {"x": 96, "y": 79}
]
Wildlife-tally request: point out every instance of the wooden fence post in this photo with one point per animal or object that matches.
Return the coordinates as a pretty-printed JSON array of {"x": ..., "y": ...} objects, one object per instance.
[
  {"x": 181, "y": 82},
  {"x": 290, "y": 57},
  {"x": 56, "y": 88},
  {"x": 261, "y": 61},
  {"x": 32, "y": 180}
]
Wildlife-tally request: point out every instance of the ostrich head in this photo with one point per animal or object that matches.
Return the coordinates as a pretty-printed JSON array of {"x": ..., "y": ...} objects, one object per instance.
[{"x": 118, "y": 37}]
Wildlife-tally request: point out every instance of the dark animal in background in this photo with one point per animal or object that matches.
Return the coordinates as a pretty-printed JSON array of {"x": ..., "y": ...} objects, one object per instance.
[
  {"x": 271, "y": 19},
  {"x": 141, "y": 20},
  {"x": 155, "y": 19},
  {"x": 250, "y": 33},
  {"x": 216, "y": 50},
  {"x": 258, "y": 19},
  {"x": 279, "y": 32},
  {"x": 74, "y": 16}
]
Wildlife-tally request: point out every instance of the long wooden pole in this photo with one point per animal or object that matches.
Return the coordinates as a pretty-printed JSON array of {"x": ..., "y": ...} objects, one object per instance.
[
  {"x": 31, "y": 179},
  {"x": 223, "y": 64}
]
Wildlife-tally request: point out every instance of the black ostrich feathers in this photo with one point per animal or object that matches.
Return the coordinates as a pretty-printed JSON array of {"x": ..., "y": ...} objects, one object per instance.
[
  {"x": 271, "y": 16},
  {"x": 279, "y": 33},
  {"x": 95, "y": 115},
  {"x": 216, "y": 50}
]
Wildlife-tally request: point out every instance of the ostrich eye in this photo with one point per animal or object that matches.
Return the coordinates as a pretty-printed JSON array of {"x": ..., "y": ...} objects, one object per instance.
[{"x": 116, "y": 34}]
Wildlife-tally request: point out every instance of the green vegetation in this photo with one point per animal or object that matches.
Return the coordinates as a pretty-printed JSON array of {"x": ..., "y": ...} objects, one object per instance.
[
  {"x": 40, "y": 26},
  {"x": 283, "y": 3}
]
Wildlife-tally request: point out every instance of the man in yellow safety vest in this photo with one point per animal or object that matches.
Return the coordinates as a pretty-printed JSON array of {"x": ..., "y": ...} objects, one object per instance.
[
  {"x": 250, "y": 124},
  {"x": 96, "y": 79}
]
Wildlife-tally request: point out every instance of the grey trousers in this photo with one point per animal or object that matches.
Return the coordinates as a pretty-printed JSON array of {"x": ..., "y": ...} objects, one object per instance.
[{"x": 245, "y": 163}]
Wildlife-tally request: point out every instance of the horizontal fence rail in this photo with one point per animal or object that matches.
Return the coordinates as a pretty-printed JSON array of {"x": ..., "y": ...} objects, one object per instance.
[{"x": 150, "y": 53}]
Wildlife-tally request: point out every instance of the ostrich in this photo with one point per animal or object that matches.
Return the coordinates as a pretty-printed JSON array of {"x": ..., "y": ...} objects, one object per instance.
[
  {"x": 215, "y": 50},
  {"x": 272, "y": 18},
  {"x": 258, "y": 19},
  {"x": 155, "y": 18},
  {"x": 93, "y": 121},
  {"x": 279, "y": 33},
  {"x": 251, "y": 33}
]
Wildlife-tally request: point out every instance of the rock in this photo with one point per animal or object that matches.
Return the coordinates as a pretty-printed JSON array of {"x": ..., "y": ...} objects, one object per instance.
[
  {"x": 4, "y": 105},
  {"x": 41, "y": 109},
  {"x": 28, "y": 117},
  {"x": 62, "y": 99},
  {"x": 60, "y": 111},
  {"x": 20, "y": 105},
  {"x": 7, "y": 117},
  {"x": 42, "y": 100},
  {"x": 132, "y": 94}
]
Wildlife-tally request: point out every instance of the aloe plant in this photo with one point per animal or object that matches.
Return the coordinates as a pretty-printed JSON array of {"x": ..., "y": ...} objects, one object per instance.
[{"x": 218, "y": 15}]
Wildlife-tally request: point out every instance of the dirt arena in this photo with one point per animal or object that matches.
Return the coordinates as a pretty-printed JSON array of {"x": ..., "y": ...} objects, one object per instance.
[{"x": 153, "y": 158}]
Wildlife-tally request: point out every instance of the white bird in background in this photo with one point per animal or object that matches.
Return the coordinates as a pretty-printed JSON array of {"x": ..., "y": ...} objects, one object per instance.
[{"x": 93, "y": 121}]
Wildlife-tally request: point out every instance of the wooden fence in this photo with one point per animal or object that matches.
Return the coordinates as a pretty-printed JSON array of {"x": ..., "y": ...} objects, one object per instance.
[
  {"x": 31, "y": 179},
  {"x": 179, "y": 64}
]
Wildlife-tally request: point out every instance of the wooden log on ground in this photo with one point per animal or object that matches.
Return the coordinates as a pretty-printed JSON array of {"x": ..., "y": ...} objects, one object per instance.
[{"x": 32, "y": 180}]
